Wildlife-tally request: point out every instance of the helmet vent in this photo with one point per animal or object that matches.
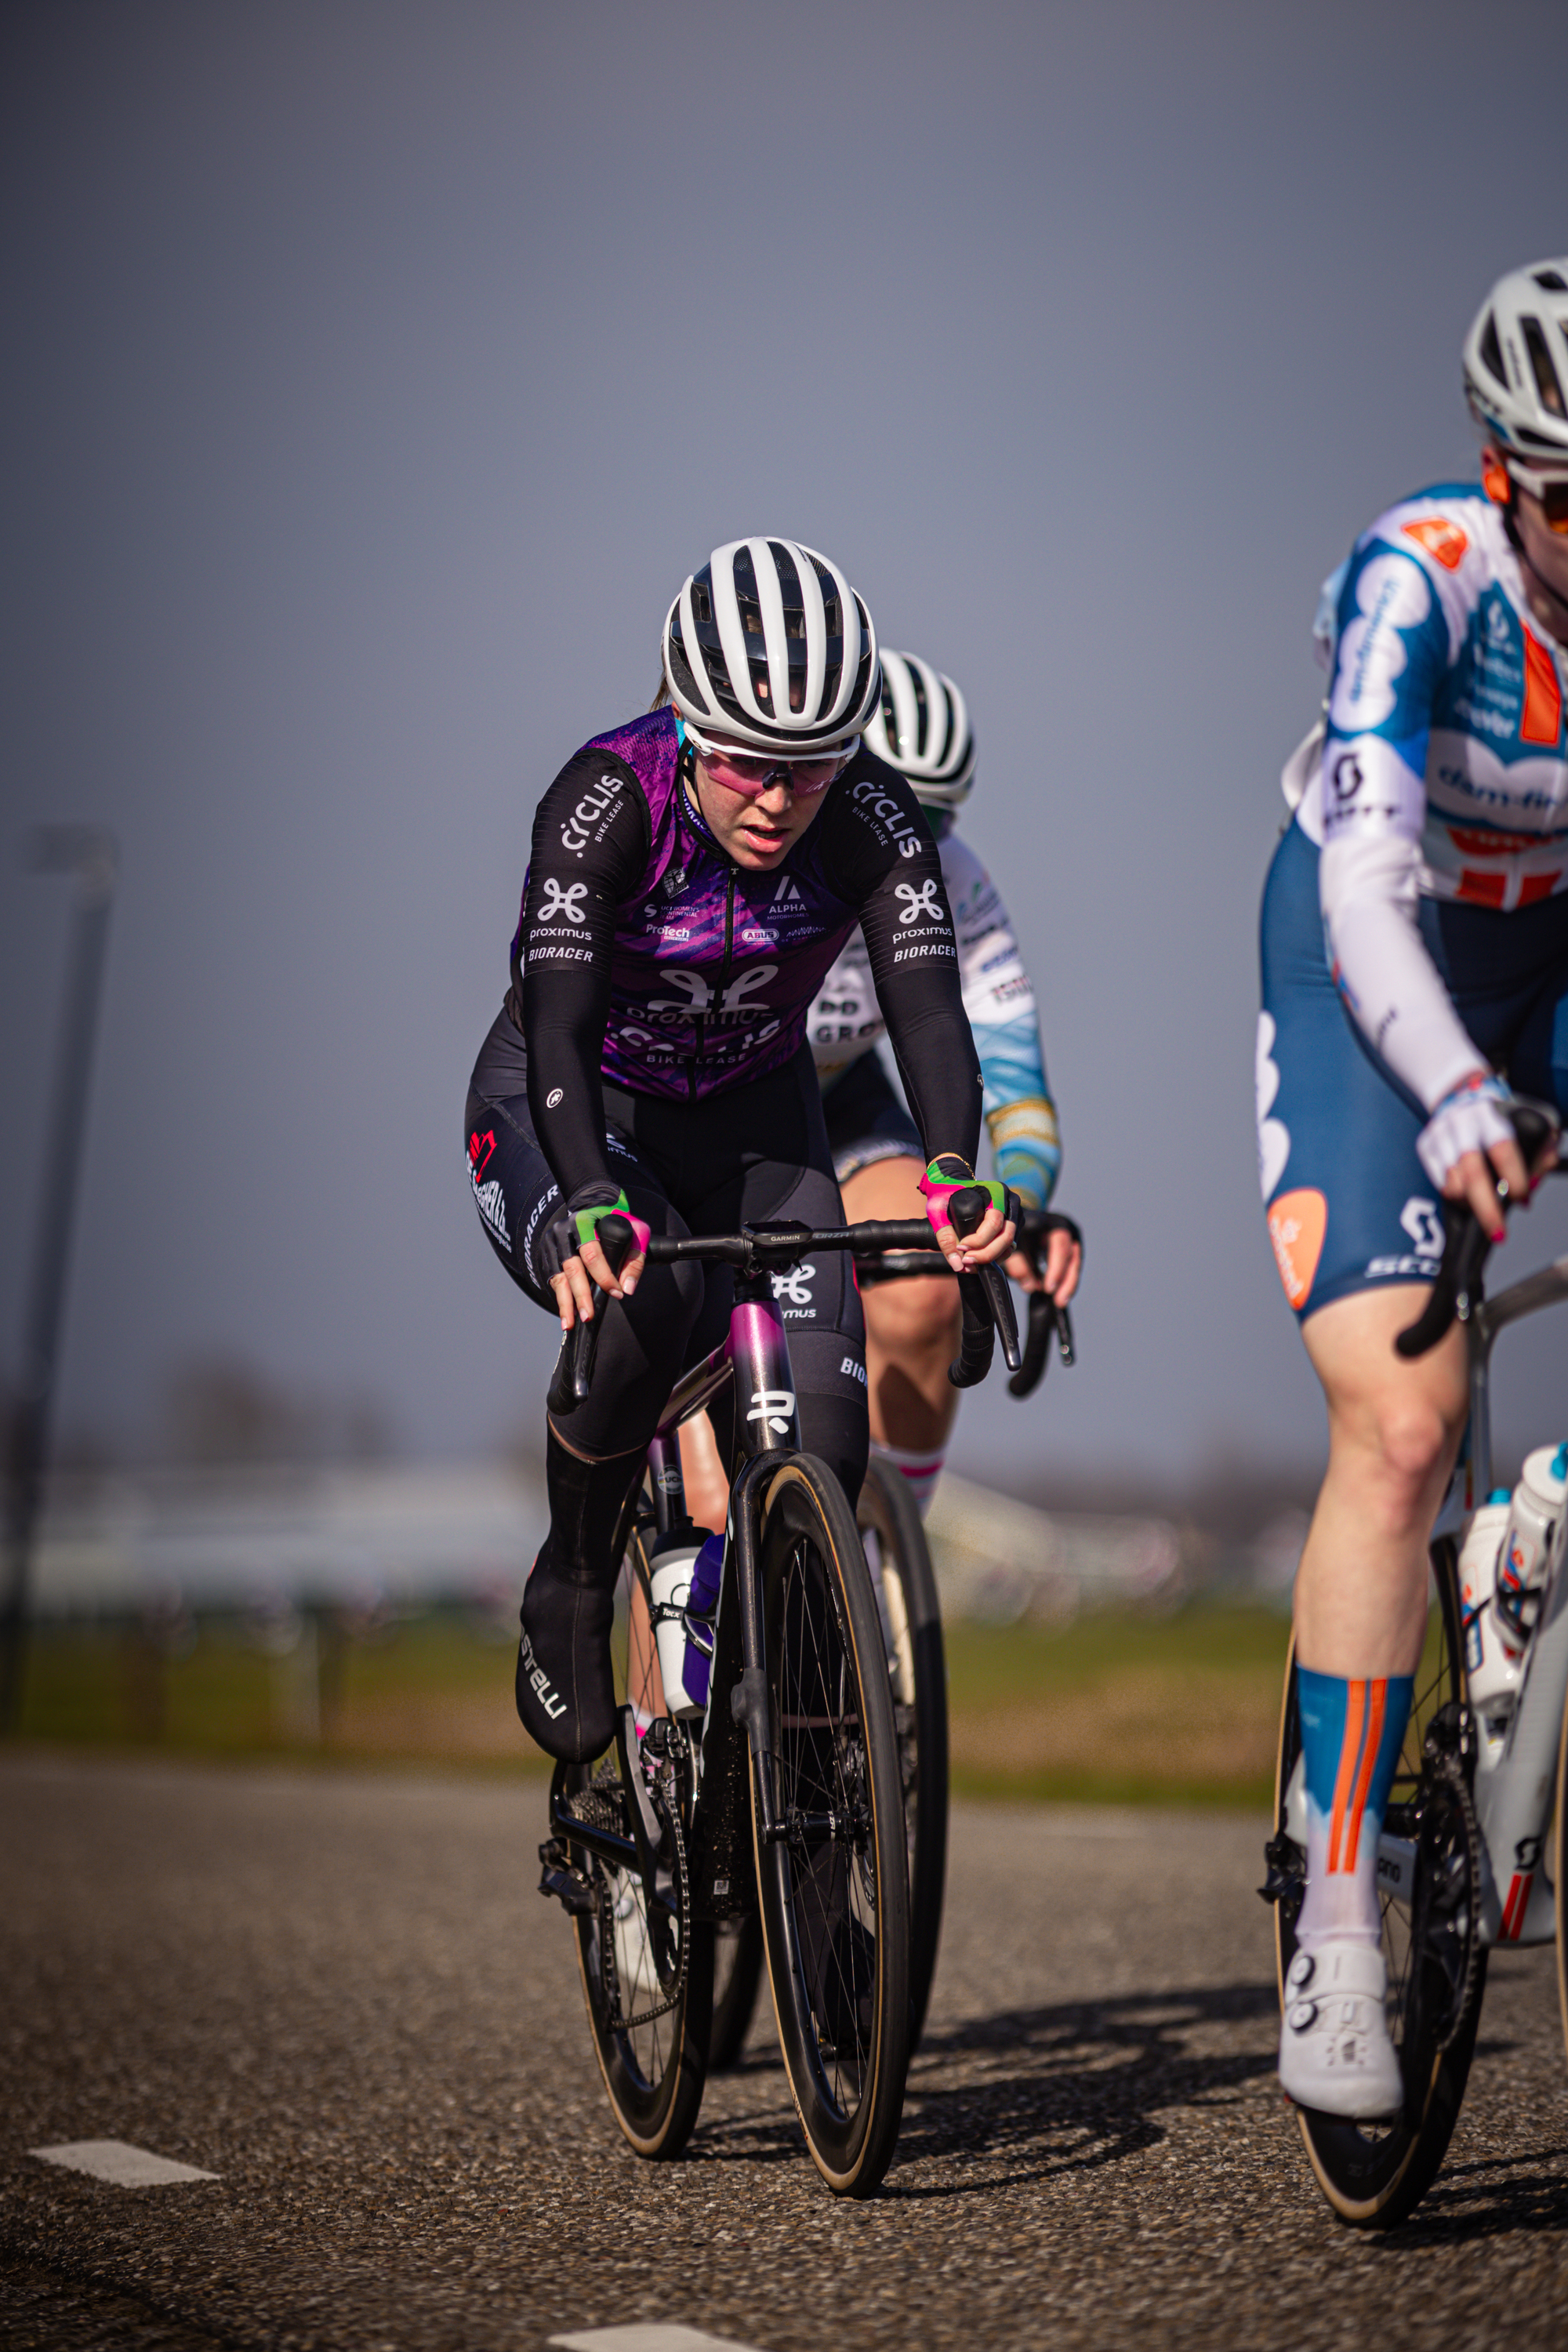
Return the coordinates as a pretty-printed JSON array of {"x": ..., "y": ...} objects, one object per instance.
[
  {"x": 1546, "y": 382},
  {"x": 687, "y": 691},
  {"x": 1551, "y": 281},
  {"x": 1491, "y": 352},
  {"x": 923, "y": 712}
]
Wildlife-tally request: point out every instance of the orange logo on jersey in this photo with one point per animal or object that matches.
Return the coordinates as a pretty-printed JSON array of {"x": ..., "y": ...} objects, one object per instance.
[
  {"x": 1445, "y": 542},
  {"x": 1297, "y": 1223},
  {"x": 1543, "y": 719}
]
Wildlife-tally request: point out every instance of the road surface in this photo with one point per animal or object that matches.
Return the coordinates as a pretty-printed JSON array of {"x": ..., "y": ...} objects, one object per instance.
[{"x": 339, "y": 1994}]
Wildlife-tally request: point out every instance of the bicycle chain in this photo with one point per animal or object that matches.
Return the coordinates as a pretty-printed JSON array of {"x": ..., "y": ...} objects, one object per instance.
[{"x": 1449, "y": 1771}]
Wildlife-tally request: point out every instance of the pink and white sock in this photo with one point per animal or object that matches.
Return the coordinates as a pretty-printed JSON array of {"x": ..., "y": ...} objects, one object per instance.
[{"x": 921, "y": 1470}]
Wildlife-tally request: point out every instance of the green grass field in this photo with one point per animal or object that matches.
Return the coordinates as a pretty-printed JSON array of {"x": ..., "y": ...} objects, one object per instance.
[{"x": 1111, "y": 1709}]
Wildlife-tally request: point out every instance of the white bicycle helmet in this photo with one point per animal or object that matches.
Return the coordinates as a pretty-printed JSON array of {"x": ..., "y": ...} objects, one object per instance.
[
  {"x": 770, "y": 645},
  {"x": 1516, "y": 362},
  {"x": 921, "y": 728}
]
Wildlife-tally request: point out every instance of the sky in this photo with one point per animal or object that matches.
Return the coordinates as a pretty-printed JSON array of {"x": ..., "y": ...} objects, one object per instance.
[{"x": 375, "y": 375}]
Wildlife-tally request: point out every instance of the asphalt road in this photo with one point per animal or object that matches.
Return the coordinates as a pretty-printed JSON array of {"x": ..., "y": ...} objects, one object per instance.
[{"x": 342, "y": 1996}]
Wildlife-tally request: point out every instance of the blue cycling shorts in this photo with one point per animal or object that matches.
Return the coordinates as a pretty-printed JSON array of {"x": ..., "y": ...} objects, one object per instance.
[{"x": 1349, "y": 1203}]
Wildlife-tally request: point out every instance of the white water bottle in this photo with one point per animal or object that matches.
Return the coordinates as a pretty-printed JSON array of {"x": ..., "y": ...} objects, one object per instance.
[
  {"x": 1526, "y": 1554},
  {"x": 683, "y": 1589},
  {"x": 1492, "y": 1658}
]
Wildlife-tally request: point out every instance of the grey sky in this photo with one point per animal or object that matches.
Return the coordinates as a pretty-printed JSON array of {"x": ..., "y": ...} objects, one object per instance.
[{"x": 375, "y": 376}]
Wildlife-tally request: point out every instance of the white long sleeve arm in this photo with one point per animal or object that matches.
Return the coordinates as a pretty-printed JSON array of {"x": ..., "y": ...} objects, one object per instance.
[{"x": 1369, "y": 884}]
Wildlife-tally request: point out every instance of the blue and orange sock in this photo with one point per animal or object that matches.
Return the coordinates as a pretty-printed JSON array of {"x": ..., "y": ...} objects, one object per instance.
[{"x": 1351, "y": 1732}]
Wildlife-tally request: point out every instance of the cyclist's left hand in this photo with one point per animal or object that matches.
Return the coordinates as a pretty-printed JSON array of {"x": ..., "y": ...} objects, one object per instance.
[
  {"x": 1059, "y": 1278},
  {"x": 992, "y": 1238}
]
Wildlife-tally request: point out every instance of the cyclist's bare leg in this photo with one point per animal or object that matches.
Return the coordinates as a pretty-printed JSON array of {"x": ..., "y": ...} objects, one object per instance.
[
  {"x": 702, "y": 1473},
  {"x": 1361, "y": 1622},
  {"x": 645, "y": 1686},
  {"x": 1394, "y": 1431},
  {"x": 911, "y": 1328}
]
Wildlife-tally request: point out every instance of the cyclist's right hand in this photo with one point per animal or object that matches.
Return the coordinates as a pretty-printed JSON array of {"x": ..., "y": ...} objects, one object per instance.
[
  {"x": 572, "y": 1241},
  {"x": 1468, "y": 1144}
]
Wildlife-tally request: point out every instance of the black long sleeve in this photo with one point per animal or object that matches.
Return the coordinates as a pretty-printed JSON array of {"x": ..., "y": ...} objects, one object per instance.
[
  {"x": 590, "y": 844},
  {"x": 878, "y": 853}
]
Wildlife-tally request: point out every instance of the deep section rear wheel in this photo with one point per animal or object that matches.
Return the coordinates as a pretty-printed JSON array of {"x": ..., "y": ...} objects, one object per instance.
[
  {"x": 1373, "y": 2174},
  {"x": 646, "y": 1967},
  {"x": 833, "y": 1878},
  {"x": 901, "y": 1566}
]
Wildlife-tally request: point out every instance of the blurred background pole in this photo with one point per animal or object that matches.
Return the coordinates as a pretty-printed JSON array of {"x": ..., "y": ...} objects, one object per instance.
[{"x": 92, "y": 855}]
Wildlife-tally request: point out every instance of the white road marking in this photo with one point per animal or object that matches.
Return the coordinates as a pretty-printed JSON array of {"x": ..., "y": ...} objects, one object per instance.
[
  {"x": 117, "y": 2160},
  {"x": 647, "y": 2336}
]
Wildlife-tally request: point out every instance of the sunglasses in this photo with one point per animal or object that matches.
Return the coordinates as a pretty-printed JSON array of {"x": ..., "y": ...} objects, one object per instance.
[
  {"x": 752, "y": 773},
  {"x": 1550, "y": 490}
]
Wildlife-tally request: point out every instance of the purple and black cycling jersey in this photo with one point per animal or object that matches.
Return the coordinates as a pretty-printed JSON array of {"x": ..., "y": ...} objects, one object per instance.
[{"x": 645, "y": 959}]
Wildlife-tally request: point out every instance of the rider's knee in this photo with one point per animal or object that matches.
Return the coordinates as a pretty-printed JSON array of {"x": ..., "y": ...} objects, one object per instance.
[
  {"x": 920, "y": 1313},
  {"x": 1411, "y": 1436}
]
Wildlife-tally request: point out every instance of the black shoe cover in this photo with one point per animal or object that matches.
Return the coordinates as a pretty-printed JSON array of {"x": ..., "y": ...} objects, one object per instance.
[{"x": 565, "y": 1687}]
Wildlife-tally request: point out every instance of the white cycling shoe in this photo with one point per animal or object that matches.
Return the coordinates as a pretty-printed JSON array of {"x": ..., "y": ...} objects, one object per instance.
[{"x": 1335, "y": 2054}]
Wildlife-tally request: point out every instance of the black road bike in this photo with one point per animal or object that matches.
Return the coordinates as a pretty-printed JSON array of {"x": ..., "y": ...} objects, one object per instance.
[{"x": 785, "y": 1800}]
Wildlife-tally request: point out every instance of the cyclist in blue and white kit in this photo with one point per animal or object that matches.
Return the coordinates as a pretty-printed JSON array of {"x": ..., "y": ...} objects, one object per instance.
[
  {"x": 921, "y": 728},
  {"x": 1415, "y": 949}
]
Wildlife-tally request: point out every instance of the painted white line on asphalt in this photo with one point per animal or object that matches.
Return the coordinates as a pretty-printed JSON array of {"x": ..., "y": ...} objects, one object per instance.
[
  {"x": 117, "y": 2160},
  {"x": 647, "y": 2336}
]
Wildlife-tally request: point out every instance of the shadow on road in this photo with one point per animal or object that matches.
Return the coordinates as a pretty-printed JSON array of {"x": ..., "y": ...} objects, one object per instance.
[
  {"x": 1491, "y": 2198},
  {"x": 1025, "y": 2093}
]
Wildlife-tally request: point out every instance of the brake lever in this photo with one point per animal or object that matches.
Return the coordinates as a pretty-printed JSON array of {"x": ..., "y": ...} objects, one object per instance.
[
  {"x": 1458, "y": 1289},
  {"x": 987, "y": 1301},
  {"x": 573, "y": 1373}
]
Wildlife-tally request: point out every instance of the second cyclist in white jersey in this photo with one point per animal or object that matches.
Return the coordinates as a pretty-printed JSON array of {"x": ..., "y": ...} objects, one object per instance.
[{"x": 921, "y": 728}]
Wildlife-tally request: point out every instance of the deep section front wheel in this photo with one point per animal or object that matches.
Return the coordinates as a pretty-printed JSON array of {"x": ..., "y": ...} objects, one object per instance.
[
  {"x": 900, "y": 1562},
  {"x": 828, "y": 1831},
  {"x": 1373, "y": 2174},
  {"x": 646, "y": 1964}
]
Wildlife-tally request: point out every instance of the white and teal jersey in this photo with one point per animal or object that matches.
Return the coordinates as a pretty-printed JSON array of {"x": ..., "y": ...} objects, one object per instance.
[
  {"x": 1446, "y": 710},
  {"x": 1020, "y": 1117},
  {"x": 1439, "y": 773}
]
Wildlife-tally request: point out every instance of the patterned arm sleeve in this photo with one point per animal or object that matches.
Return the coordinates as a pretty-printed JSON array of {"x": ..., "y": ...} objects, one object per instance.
[{"x": 1020, "y": 1117}]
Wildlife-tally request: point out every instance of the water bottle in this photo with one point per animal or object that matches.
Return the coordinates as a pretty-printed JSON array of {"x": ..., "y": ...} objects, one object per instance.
[
  {"x": 1492, "y": 1659},
  {"x": 683, "y": 1586},
  {"x": 1526, "y": 1553}
]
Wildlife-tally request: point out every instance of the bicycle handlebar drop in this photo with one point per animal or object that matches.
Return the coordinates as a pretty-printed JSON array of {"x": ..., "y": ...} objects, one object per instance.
[
  {"x": 573, "y": 1371},
  {"x": 1458, "y": 1290},
  {"x": 1045, "y": 1315},
  {"x": 987, "y": 1303}
]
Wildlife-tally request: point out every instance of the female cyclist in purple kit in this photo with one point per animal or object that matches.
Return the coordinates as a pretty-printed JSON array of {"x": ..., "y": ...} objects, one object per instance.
[{"x": 694, "y": 874}]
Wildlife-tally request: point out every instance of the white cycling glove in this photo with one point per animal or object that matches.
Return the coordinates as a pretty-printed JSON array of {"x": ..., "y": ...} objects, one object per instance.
[{"x": 1471, "y": 1118}]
